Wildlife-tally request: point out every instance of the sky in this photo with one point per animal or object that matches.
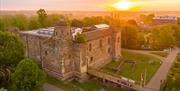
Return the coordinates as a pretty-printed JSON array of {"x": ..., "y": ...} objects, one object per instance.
[{"x": 87, "y": 5}]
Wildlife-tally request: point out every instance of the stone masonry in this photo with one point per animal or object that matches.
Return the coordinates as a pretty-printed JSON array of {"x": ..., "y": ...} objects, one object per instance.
[{"x": 62, "y": 58}]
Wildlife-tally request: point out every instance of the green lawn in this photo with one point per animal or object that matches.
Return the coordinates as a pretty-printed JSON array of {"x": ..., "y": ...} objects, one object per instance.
[
  {"x": 160, "y": 53},
  {"x": 65, "y": 86},
  {"x": 141, "y": 64}
]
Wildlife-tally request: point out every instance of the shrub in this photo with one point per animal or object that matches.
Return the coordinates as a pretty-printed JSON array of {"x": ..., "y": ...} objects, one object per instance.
[
  {"x": 80, "y": 38},
  {"x": 27, "y": 77}
]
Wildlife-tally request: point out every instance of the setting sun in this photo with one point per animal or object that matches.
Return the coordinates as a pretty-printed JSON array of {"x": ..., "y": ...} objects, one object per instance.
[{"x": 123, "y": 5}]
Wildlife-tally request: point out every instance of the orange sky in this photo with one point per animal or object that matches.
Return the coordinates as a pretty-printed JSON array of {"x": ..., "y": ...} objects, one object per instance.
[{"x": 90, "y": 5}]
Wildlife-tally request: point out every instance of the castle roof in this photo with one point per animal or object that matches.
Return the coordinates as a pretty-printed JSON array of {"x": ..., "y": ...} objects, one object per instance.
[
  {"x": 102, "y": 32},
  {"x": 94, "y": 32},
  {"x": 44, "y": 32}
]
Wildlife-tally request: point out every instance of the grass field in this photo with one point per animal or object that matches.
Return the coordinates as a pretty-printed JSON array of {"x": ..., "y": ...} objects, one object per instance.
[
  {"x": 160, "y": 53},
  {"x": 141, "y": 64}
]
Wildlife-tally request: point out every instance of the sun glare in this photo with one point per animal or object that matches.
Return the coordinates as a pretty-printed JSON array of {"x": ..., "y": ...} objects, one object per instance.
[{"x": 123, "y": 5}]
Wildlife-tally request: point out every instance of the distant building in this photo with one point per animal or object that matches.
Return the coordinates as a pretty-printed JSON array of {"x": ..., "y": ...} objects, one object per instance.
[
  {"x": 54, "y": 48},
  {"x": 160, "y": 20}
]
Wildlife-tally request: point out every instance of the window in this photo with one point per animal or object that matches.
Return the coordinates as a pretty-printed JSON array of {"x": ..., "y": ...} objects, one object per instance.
[
  {"x": 91, "y": 60},
  {"x": 90, "y": 47},
  {"x": 69, "y": 56},
  {"x": 109, "y": 50},
  {"x": 46, "y": 53},
  {"x": 118, "y": 39},
  {"x": 108, "y": 40},
  {"x": 100, "y": 43}
]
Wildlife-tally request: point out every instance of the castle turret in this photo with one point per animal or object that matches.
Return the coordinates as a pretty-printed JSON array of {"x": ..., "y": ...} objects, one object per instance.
[
  {"x": 62, "y": 34},
  {"x": 116, "y": 44},
  {"x": 62, "y": 31}
]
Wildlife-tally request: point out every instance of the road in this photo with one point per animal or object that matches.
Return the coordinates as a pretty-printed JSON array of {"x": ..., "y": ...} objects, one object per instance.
[
  {"x": 162, "y": 72},
  {"x": 160, "y": 75},
  {"x": 49, "y": 87}
]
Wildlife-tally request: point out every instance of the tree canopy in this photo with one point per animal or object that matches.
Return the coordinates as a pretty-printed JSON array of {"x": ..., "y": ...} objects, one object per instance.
[
  {"x": 129, "y": 36},
  {"x": 90, "y": 21},
  {"x": 42, "y": 16},
  {"x": 27, "y": 76},
  {"x": 80, "y": 38},
  {"x": 76, "y": 23},
  {"x": 132, "y": 22},
  {"x": 162, "y": 37},
  {"x": 147, "y": 19},
  {"x": 11, "y": 49}
]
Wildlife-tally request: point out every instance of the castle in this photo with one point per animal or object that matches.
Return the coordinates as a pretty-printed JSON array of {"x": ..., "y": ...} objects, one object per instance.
[{"x": 54, "y": 48}]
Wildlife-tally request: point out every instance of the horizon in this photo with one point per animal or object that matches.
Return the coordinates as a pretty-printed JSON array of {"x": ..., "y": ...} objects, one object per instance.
[{"x": 89, "y": 5}]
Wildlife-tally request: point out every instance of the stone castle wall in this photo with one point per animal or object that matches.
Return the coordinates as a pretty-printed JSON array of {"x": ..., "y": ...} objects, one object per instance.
[{"x": 63, "y": 59}]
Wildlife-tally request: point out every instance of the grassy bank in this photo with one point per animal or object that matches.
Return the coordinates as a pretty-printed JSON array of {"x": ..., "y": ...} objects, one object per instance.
[{"x": 142, "y": 62}]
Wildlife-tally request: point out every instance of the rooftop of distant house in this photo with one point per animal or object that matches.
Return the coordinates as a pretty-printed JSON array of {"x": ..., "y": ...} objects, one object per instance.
[{"x": 165, "y": 18}]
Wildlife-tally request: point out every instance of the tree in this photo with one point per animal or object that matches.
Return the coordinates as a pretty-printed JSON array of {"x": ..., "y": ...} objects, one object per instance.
[
  {"x": 11, "y": 52},
  {"x": 2, "y": 25},
  {"x": 166, "y": 38},
  {"x": 162, "y": 37},
  {"x": 176, "y": 29},
  {"x": 90, "y": 21},
  {"x": 141, "y": 41},
  {"x": 80, "y": 38},
  {"x": 20, "y": 22},
  {"x": 132, "y": 22},
  {"x": 129, "y": 36},
  {"x": 27, "y": 76},
  {"x": 11, "y": 49},
  {"x": 34, "y": 24},
  {"x": 76, "y": 23},
  {"x": 42, "y": 16},
  {"x": 52, "y": 19},
  {"x": 147, "y": 19}
]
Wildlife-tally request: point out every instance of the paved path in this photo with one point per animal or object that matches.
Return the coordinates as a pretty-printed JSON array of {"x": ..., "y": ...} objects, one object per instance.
[
  {"x": 145, "y": 52},
  {"x": 162, "y": 72},
  {"x": 49, "y": 87},
  {"x": 155, "y": 82}
]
